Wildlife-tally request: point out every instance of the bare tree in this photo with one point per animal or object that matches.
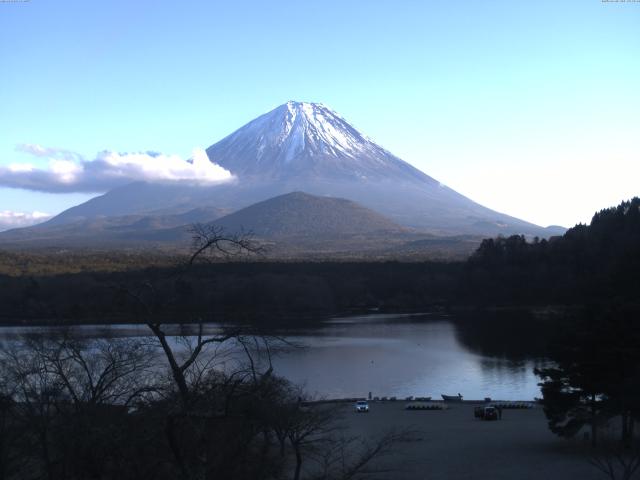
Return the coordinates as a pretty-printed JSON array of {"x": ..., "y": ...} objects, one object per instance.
[
  {"x": 230, "y": 403},
  {"x": 97, "y": 371},
  {"x": 206, "y": 388},
  {"x": 211, "y": 240},
  {"x": 11, "y": 461},
  {"x": 208, "y": 240},
  {"x": 348, "y": 458},
  {"x": 68, "y": 397},
  {"x": 309, "y": 429},
  {"x": 317, "y": 442},
  {"x": 36, "y": 394},
  {"x": 180, "y": 368},
  {"x": 616, "y": 461}
]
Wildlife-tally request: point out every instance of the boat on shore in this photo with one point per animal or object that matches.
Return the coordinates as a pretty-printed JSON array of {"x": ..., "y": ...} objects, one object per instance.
[{"x": 452, "y": 398}]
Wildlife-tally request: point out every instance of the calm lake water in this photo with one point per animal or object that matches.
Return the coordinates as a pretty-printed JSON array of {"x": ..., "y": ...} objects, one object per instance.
[{"x": 387, "y": 355}]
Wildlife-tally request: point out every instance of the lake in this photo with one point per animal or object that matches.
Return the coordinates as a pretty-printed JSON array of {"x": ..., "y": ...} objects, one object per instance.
[{"x": 387, "y": 355}]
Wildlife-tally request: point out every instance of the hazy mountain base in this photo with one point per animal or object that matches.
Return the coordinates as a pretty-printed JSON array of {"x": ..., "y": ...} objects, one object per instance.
[
  {"x": 432, "y": 208},
  {"x": 291, "y": 226},
  {"x": 124, "y": 251}
]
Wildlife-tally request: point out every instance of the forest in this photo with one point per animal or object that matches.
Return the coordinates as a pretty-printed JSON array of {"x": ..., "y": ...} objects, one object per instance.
[{"x": 230, "y": 291}]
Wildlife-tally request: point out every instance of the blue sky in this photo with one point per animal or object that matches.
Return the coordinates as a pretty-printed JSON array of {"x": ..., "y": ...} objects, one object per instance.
[{"x": 530, "y": 108}]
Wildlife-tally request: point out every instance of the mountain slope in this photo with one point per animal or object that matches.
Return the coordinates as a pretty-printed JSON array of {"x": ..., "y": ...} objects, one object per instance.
[
  {"x": 292, "y": 226},
  {"x": 112, "y": 231},
  {"x": 301, "y": 214}
]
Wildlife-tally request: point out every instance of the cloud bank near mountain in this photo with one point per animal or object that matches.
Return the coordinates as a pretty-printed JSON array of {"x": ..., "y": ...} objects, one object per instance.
[
  {"x": 68, "y": 171},
  {"x": 10, "y": 219}
]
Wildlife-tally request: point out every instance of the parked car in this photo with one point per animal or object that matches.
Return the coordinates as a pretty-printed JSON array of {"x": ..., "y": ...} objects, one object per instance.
[
  {"x": 362, "y": 406},
  {"x": 490, "y": 413},
  {"x": 486, "y": 413}
]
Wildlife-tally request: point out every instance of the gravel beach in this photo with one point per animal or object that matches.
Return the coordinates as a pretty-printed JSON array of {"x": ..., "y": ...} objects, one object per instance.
[{"x": 453, "y": 445}]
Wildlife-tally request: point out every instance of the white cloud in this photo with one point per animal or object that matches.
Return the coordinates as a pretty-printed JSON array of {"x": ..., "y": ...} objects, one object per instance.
[
  {"x": 10, "y": 219},
  {"x": 47, "y": 152},
  {"x": 20, "y": 167},
  {"x": 65, "y": 170},
  {"x": 69, "y": 172}
]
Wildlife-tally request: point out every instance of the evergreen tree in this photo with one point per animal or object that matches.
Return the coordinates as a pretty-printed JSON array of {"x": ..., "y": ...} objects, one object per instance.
[{"x": 596, "y": 373}]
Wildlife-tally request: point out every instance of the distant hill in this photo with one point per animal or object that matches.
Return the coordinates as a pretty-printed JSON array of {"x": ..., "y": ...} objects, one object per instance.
[
  {"x": 128, "y": 231},
  {"x": 294, "y": 225},
  {"x": 300, "y": 214}
]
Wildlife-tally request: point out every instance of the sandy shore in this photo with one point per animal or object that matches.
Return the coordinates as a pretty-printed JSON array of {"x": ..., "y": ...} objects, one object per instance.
[{"x": 454, "y": 445}]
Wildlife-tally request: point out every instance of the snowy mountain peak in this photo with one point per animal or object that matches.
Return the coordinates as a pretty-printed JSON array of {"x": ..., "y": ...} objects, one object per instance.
[
  {"x": 314, "y": 127},
  {"x": 302, "y": 139}
]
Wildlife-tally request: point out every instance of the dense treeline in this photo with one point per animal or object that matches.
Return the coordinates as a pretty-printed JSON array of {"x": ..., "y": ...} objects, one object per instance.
[
  {"x": 595, "y": 377},
  {"x": 588, "y": 262},
  {"x": 238, "y": 291},
  {"x": 596, "y": 261},
  {"x": 58, "y": 261}
]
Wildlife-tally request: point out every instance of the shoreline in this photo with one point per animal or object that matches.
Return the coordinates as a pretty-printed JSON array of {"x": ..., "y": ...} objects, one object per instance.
[
  {"x": 452, "y": 444},
  {"x": 533, "y": 402}
]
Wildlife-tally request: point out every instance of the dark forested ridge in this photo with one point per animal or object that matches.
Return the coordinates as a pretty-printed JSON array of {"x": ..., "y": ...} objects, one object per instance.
[
  {"x": 234, "y": 291},
  {"x": 592, "y": 262},
  {"x": 589, "y": 262}
]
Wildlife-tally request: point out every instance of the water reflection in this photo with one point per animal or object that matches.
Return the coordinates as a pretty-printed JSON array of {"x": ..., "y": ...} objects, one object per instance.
[
  {"x": 402, "y": 356},
  {"x": 387, "y": 355}
]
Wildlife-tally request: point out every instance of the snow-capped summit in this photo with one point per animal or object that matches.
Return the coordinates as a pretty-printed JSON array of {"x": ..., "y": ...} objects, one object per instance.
[{"x": 301, "y": 139}]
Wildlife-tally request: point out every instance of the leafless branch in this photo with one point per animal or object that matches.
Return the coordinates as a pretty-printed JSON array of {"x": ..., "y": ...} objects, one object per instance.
[
  {"x": 617, "y": 463},
  {"x": 210, "y": 238}
]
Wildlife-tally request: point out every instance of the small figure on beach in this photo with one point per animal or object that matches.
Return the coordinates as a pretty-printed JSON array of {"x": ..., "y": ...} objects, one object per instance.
[{"x": 499, "y": 407}]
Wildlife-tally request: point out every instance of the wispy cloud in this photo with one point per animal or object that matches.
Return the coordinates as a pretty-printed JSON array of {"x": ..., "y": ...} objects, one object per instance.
[
  {"x": 47, "y": 152},
  {"x": 68, "y": 171},
  {"x": 10, "y": 219}
]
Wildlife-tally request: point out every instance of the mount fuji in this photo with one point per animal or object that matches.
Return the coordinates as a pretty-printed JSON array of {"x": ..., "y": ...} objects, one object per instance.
[
  {"x": 304, "y": 147},
  {"x": 308, "y": 141}
]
